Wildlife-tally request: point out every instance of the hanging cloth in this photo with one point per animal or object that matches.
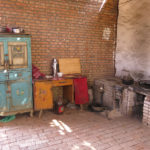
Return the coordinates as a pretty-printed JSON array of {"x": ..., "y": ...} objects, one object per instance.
[{"x": 81, "y": 90}]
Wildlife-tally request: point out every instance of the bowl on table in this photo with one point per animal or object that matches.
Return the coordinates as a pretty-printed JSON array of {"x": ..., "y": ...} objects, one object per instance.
[{"x": 59, "y": 74}]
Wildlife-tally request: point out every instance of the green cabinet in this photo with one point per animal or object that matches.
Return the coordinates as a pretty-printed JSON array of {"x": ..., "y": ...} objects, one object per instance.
[{"x": 15, "y": 74}]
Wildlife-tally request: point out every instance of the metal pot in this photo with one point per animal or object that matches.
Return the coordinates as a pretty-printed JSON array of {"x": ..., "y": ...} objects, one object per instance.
[
  {"x": 127, "y": 82},
  {"x": 145, "y": 84},
  {"x": 126, "y": 78}
]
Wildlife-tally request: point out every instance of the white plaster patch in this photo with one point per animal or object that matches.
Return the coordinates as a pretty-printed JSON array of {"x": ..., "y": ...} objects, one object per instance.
[{"x": 106, "y": 34}]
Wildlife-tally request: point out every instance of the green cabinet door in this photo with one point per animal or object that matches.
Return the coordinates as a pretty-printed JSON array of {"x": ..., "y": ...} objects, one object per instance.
[{"x": 21, "y": 95}]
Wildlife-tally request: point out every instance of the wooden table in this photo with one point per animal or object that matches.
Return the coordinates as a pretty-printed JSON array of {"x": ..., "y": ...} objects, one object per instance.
[{"x": 43, "y": 95}]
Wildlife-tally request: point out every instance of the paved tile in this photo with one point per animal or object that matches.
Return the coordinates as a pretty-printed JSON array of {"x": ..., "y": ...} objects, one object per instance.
[{"x": 74, "y": 130}]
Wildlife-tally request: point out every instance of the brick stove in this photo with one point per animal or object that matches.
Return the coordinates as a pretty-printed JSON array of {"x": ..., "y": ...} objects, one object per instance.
[
  {"x": 108, "y": 85},
  {"x": 128, "y": 100},
  {"x": 146, "y": 111}
]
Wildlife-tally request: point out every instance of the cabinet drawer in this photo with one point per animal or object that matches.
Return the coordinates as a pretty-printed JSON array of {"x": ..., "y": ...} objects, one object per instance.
[
  {"x": 3, "y": 76},
  {"x": 62, "y": 82},
  {"x": 19, "y": 75}
]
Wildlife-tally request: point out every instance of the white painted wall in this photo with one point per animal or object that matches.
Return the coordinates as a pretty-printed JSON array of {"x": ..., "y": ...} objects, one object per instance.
[{"x": 133, "y": 38}]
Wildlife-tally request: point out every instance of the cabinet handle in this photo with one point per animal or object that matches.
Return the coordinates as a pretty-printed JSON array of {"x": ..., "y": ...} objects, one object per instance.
[
  {"x": 19, "y": 74},
  {"x": 6, "y": 64},
  {"x": 62, "y": 82},
  {"x": 8, "y": 92}
]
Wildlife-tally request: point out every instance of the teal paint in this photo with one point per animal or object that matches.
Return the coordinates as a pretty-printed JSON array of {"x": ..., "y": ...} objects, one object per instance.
[
  {"x": 16, "y": 84},
  {"x": 21, "y": 95},
  {"x": 3, "y": 101}
]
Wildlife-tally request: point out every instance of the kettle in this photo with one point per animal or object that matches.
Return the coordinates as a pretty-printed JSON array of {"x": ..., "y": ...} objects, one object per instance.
[{"x": 54, "y": 68}]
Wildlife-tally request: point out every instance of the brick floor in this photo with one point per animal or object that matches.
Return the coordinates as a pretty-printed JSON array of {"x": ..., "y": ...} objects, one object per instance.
[{"x": 74, "y": 130}]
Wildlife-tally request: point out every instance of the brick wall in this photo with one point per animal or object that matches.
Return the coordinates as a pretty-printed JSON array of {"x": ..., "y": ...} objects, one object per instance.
[
  {"x": 146, "y": 111},
  {"x": 67, "y": 28}
]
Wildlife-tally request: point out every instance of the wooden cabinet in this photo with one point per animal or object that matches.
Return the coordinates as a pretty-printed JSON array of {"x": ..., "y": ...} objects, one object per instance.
[
  {"x": 15, "y": 74},
  {"x": 43, "y": 98},
  {"x": 68, "y": 88},
  {"x": 1, "y": 56}
]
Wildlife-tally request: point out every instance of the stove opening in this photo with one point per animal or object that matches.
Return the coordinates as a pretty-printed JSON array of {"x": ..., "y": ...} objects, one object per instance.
[
  {"x": 138, "y": 108},
  {"x": 117, "y": 104},
  {"x": 117, "y": 97},
  {"x": 145, "y": 84}
]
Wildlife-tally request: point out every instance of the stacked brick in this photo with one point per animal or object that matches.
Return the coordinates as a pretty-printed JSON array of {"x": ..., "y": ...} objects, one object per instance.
[
  {"x": 146, "y": 111},
  {"x": 124, "y": 102},
  {"x": 109, "y": 93},
  {"x": 128, "y": 101},
  {"x": 131, "y": 101}
]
